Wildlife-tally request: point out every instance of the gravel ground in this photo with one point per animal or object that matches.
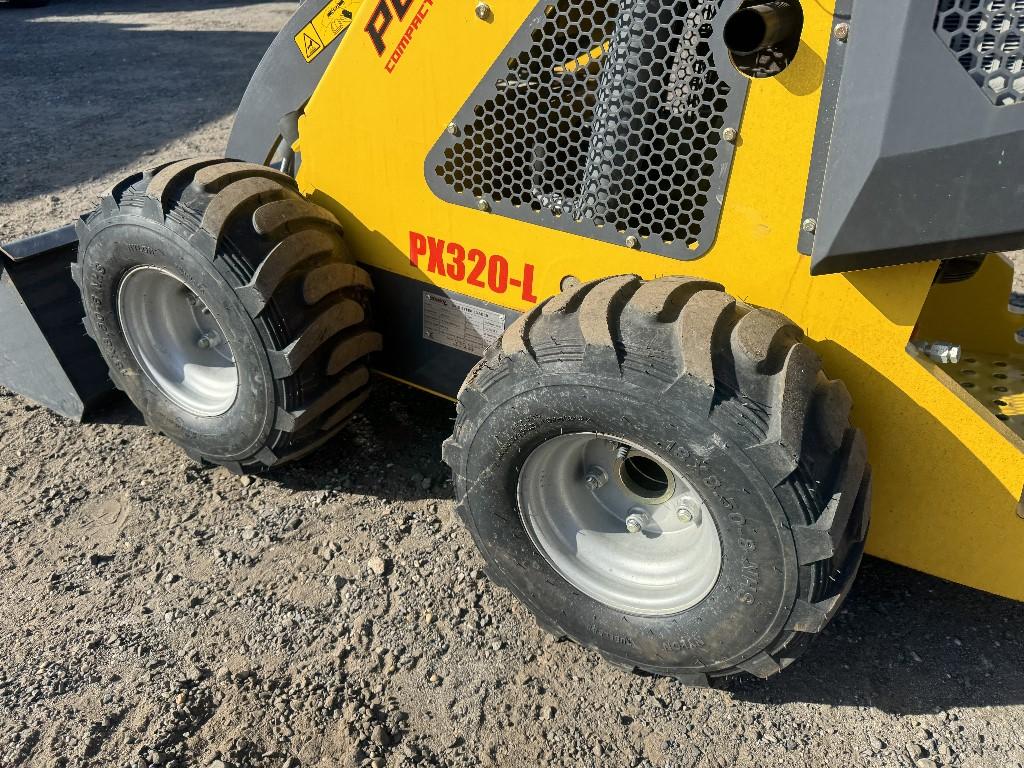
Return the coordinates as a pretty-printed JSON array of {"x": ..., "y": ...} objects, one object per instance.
[{"x": 334, "y": 612}]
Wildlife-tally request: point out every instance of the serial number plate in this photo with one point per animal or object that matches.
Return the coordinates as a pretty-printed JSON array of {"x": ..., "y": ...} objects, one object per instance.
[{"x": 459, "y": 325}]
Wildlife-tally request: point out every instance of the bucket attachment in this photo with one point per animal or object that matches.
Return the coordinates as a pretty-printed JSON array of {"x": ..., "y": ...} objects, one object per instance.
[{"x": 45, "y": 354}]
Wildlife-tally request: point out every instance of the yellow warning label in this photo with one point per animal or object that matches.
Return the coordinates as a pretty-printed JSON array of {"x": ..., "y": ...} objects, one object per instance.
[{"x": 325, "y": 27}]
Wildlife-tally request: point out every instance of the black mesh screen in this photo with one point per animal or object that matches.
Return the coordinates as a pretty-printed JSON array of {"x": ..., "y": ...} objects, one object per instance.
[
  {"x": 601, "y": 118},
  {"x": 986, "y": 38}
]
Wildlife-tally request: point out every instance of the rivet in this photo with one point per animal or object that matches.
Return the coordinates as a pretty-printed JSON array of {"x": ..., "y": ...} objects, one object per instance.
[
  {"x": 810, "y": 226},
  {"x": 632, "y": 242},
  {"x": 483, "y": 205},
  {"x": 730, "y": 134},
  {"x": 453, "y": 129},
  {"x": 842, "y": 32},
  {"x": 483, "y": 11}
]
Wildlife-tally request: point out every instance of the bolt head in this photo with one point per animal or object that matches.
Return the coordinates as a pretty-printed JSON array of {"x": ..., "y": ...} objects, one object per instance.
[
  {"x": 483, "y": 11},
  {"x": 730, "y": 134},
  {"x": 452, "y": 128},
  {"x": 842, "y": 32},
  {"x": 595, "y": 478},
  {"x": 204, "y": 342},
  {"x": 689, "y": 512},
  {"x": 483, "y": 205},
  {"x": 632, "y": 242},
  {"x": 944, "y": 352},
  {"x": 809, "y": 226},
  {"x": 634, "y": 523}
]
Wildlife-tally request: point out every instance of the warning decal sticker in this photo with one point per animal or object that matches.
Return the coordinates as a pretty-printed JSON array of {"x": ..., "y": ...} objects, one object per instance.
[
  {"x": 334, "y": 19},
  {"x": 459, "y": 325}
]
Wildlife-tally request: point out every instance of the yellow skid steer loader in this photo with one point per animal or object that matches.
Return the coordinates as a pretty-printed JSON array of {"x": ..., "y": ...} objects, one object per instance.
[{"x": 710, "y": 281}]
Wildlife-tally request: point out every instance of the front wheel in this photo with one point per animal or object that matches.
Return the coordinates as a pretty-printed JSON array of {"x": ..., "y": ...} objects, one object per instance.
[
  {"x": 228, "y": 309},
  {"x": 663, "y": 473}
]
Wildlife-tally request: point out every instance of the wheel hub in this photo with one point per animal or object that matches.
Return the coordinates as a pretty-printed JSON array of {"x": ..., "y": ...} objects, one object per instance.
[
  {"x": 177, "y": 342},
  {"x": 619, "y": 524}
]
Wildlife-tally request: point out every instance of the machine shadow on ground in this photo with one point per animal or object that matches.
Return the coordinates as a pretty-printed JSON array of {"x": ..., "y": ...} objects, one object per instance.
[{"x": 78, "y": 68}]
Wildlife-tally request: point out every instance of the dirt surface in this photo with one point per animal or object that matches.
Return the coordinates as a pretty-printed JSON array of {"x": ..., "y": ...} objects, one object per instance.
[{"x": 334, "y": 613}]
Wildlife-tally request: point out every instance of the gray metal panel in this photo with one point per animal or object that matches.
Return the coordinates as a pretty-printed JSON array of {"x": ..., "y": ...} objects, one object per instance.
[
  {"x": 44, "y": 242},
  {"x": 28, "y": 365},
  {"x": 45, "y": 354},
  {"x": 921, "y": 165},
  {"x": 281, "y": 86},
  {"x": 406, "y": 354},
  {"x": 622, "y": 143}
]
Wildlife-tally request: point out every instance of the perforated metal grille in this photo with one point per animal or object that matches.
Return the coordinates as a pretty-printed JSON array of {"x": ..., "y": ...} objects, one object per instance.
[
  {"x": 604, "y": 119},
  {"x": 986, "y": 38},
  {"x": 995, "y": 381}
]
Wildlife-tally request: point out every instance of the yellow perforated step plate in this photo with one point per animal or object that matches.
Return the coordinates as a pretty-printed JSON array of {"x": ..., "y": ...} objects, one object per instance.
[{"x": 995, "y": 381}]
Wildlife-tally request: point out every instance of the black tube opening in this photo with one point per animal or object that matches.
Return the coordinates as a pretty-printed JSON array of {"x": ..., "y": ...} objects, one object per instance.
[
  {"x": 764, "y": 37},
  {"x": 746, "y": 31}
]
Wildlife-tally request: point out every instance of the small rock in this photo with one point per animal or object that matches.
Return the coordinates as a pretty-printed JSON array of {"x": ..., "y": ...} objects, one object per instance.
[
  {"x": 377, "y": 565},
  {"x": 877, "y": 744},
  {"x": 381, "y": 736},
  {"x": 915, "y": 751},
  {"x": 925, "y": 763},
  {"x": 248, "y": 534}
]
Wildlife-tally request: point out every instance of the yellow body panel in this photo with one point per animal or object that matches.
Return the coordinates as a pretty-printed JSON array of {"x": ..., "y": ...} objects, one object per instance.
[{"x": 948, "y": 476}]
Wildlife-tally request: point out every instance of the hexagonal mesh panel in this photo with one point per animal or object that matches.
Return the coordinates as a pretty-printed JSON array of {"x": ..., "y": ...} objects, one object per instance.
[
  {"x": 986, "y": 38},
  {"x": 603, "y": 119}
]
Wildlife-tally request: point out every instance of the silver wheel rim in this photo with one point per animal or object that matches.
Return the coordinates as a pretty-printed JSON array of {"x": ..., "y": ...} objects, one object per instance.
[
  {"x": 177, "y": 342},
  {"x": 619, "y": 524}
]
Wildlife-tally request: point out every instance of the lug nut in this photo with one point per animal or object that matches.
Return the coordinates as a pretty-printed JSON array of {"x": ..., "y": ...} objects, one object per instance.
[
  {"x": 635, "y": 523},
  {"x": 688, "y": 512},
  {"x": 208, "y": 340},
  {"x": 595, "y": 478}
]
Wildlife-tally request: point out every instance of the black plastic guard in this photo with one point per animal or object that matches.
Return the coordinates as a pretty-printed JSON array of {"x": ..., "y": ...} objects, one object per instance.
[
  {"x": 914, "y": 162},
  {"x": 278, "y": 91}
]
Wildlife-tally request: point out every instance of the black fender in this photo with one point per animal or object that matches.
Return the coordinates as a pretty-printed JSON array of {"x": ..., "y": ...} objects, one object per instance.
[{"x": 280, "y": 87}]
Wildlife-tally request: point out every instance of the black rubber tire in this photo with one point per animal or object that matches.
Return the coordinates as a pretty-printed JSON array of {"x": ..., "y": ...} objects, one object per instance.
[
  {"x": 27, "y": 3},
  {"x": 274, "y": 270},
  {"x": 731, "y": 398}
]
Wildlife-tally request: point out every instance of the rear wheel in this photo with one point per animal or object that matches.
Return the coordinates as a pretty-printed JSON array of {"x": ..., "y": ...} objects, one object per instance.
[
  {"x": 229, "y": 310},
  {"x": 664, "y": 474}
]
